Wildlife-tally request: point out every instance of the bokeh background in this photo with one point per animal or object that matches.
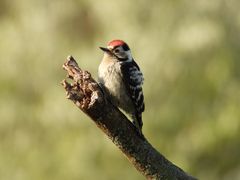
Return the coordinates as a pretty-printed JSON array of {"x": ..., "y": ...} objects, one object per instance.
[{"x": 189, "y": 52}]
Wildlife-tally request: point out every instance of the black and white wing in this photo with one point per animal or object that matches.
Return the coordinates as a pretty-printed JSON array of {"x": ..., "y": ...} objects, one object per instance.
[{"x": 133, "y": 79}]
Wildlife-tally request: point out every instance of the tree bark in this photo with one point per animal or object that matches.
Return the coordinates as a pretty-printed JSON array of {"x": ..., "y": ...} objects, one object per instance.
[{"x": 89, "y": 97}]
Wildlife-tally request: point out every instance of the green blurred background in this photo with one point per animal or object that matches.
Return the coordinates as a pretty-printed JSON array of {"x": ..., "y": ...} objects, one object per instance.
[{"x": 188, "y": 51}]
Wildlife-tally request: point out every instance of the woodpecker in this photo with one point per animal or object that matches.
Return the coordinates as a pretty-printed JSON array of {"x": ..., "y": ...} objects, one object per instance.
[{"x": 122, "y": 80}]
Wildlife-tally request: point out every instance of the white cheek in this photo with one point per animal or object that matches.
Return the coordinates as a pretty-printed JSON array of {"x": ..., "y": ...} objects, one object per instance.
[
  {"x": 122, "y": 55},
  {"x": 129, "y": 54}
]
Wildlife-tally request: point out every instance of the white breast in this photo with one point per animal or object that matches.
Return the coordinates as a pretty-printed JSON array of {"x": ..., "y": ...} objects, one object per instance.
[{"x": 109, "y": 73}]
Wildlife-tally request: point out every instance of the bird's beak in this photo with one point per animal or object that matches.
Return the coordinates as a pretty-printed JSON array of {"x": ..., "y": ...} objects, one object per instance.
[{"x": 105, "y": 49}]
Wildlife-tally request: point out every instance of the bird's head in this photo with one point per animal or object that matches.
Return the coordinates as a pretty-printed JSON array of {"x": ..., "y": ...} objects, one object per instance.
[{"x": 118, "y": 49}]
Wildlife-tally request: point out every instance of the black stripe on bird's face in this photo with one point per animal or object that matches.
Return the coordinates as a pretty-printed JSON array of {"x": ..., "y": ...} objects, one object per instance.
[{"x": 121, "y": 59}]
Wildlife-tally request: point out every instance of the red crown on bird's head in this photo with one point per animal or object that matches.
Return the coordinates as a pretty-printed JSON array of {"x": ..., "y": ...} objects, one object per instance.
[{"x": 115, "y": 43}]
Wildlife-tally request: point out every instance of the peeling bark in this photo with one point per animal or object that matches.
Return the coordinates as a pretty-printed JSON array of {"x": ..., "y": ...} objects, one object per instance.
[{"x": 88, "y": 96}]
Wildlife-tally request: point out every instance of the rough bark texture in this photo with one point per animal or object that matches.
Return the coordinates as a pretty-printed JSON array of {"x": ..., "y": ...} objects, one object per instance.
[{"x": 88, "y": 96}]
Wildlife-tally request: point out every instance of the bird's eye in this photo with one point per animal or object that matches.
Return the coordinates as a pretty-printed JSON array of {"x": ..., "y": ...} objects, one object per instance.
[{"x": 116, "y": 50}]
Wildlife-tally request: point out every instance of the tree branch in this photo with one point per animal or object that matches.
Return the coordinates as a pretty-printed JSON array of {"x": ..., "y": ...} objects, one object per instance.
[{"x": 89, "y": 97}]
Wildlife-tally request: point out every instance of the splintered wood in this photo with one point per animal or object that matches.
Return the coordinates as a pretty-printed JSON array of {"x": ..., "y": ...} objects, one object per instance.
[{"x": 84, "y": 90}]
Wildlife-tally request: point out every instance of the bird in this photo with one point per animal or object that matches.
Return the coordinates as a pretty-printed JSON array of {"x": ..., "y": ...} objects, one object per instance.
[{"x": 121, "y": 78}]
